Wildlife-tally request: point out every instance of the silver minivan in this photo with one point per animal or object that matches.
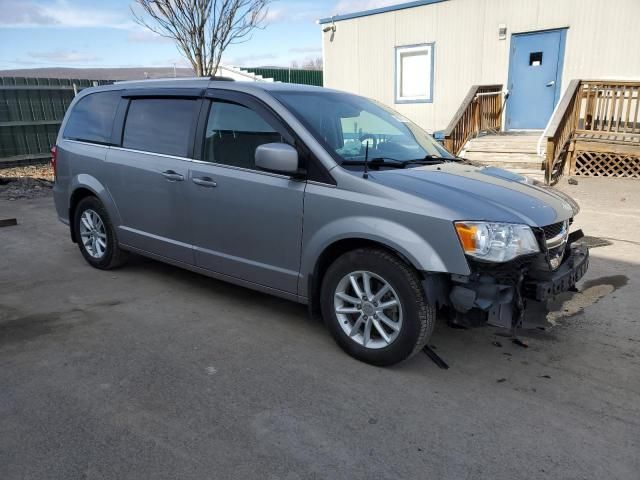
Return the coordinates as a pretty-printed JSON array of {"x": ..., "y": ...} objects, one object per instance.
[{"x": 319, "y": 196}]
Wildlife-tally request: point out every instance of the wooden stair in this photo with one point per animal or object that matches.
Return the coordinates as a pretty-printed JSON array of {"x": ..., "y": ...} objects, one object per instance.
[{"x": 514, "y": 151}]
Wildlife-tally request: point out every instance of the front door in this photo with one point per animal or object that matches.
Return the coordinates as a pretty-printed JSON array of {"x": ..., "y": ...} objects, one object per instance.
[
  {"x": 246, "y": 223},
  {"x": 535, "y": 68}
]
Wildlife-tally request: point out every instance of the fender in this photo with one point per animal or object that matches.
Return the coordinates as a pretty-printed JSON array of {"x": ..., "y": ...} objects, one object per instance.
[{"x": 413, "y": 247}]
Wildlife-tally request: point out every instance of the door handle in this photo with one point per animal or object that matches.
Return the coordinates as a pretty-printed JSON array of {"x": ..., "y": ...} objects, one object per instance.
[
  {"x": 205, "y": 182},
  {"x": 172, "y": 176},
  {"x": 551, "y": 83}
]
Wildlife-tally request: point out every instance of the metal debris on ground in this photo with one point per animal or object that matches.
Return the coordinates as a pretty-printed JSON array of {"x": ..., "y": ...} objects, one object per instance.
[
  {"x": 435, "y": 357},
  {"x": 8, "y": 222}
]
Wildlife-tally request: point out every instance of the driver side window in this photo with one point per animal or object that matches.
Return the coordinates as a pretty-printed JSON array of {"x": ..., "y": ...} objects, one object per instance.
[
  {"x": 363, "y": 129},
  {"x": 234, "y": 132}
]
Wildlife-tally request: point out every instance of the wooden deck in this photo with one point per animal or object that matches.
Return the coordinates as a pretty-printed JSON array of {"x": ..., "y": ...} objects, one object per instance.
[
  {"x": 516, "y": 152},
  {"x": 480, "y": 111},
  {"x": 595, "y": 131}
]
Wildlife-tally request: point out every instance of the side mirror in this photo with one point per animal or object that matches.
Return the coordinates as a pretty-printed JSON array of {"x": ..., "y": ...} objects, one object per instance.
[{"x": 277, "y": 157}]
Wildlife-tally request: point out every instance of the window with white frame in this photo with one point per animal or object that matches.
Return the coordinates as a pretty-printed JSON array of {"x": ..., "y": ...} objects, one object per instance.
[{"x": 414, "y": 73}]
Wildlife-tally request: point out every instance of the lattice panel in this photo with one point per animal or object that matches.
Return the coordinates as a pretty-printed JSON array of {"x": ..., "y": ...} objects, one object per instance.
[{"x": 598, "y": 164}]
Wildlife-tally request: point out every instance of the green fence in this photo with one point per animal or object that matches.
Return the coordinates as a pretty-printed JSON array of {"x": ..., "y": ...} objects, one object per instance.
[
  {"x": 290, "y": 75},
  {"x": 31, "y": 110}
]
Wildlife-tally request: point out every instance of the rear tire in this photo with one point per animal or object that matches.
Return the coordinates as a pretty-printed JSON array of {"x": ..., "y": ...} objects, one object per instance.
[
  {"x": 96, "y": 236},
  {"x": 392, "y": 303}
]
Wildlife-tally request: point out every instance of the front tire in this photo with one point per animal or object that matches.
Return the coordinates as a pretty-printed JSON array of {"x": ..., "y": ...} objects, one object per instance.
[
  {"x": 96, "y": 236},
  {"x": 374, "y": 305}
]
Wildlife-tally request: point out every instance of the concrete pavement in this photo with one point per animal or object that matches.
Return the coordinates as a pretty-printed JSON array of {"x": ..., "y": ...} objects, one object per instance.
[{"x": 154, "y": 372}]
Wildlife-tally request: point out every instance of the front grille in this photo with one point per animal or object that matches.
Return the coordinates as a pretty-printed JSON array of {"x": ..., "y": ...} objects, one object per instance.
[
  {"x": 551, "y": 231},
  {"x": 554, "y": 229},
  {"x": 555, "y": 240}
]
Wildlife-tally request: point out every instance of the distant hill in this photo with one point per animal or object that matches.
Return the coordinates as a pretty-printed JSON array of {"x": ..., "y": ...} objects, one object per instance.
[{"x": 137, "y": 73}]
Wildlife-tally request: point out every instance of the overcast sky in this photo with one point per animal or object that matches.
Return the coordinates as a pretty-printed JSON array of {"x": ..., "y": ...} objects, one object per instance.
[{"x": 101, "y": 33}]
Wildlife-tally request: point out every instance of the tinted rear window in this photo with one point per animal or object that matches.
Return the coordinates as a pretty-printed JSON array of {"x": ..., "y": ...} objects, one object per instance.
[
  {"x": 159, "y": 125},
  {"x": 91, "y": 119}
]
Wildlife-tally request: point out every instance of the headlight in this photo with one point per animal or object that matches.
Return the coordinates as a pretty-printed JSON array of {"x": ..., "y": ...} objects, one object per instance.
[{"x": 496, "y": 242}]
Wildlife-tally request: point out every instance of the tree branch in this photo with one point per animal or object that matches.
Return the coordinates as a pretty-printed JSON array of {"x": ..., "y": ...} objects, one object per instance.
[{"x": 203, "y": 29}]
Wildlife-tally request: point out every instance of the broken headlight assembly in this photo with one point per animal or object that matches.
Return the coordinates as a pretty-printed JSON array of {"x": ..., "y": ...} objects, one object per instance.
[{"x": 496, "y": 242}]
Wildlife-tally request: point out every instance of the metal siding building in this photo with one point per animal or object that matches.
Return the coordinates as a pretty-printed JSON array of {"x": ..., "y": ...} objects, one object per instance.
[{"x": 602, "y": 41}]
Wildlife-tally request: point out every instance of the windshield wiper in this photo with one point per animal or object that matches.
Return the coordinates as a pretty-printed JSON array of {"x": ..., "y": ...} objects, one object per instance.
[
  {"x": 427, "y": 160},
  {"x": 386, "y": 161},
  {"x": 395, "y": 163}
]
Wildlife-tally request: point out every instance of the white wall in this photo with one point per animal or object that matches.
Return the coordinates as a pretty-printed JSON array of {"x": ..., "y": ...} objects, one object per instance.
[
  {"x": 240, "y": 75},
  {"x": 603, "y": 42}
]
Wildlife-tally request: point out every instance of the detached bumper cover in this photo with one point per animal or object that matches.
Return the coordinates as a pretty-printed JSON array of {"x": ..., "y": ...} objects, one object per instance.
[{"x": 565, "y": 277}]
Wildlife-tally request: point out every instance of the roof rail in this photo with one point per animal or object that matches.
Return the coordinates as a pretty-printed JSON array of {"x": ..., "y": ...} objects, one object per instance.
[
  {"x": 165, "y": 79},
  {"x": 222, "y": 79}
]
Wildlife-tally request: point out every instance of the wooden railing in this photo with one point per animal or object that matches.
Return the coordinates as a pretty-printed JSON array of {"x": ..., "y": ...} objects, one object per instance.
[
  {"x": 596, "y": 112},
  {"x": 481, "y": 110}
]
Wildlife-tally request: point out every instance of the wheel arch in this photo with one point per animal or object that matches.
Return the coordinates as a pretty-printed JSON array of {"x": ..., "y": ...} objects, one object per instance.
[
  {"x": 331, "y": 253},
  {"x": 84, "y": 186},
  {"x": 77, "y": 196}
]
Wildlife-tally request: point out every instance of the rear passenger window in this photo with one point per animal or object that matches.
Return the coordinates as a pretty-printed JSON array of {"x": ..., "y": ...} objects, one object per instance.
[
  {"x": 233, "y": 134},
  {"x": 159, "y": 125},
  {"x": 91, "y": 119}
]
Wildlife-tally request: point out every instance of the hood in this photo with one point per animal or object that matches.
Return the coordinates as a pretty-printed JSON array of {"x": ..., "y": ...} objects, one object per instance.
[{"x": 481, "y": 193}]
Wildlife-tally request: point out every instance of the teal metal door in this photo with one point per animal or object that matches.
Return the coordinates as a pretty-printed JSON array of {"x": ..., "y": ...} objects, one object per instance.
[{"x": 535, "y": 69}]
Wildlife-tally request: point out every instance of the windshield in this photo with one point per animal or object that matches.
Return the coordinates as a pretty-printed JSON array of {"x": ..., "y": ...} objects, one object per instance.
[{"x": 349, "y": 125}]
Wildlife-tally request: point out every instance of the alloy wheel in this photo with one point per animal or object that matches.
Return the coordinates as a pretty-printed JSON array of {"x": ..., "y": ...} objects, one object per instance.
[
  {"x": 93, "y": 233},
  {"x": 368, "y": 309}
]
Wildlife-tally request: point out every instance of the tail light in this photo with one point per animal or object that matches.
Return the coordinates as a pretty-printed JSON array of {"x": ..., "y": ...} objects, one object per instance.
[{"x": 54, "y": 161}]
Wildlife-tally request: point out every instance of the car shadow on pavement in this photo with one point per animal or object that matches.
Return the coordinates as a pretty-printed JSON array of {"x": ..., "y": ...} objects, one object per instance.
[
  {"x": 456, "y": 346},
  {"x": 209, "y": 286}
]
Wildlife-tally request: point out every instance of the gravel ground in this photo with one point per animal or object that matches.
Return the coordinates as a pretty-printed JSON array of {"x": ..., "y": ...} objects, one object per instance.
[{"x": 25, "y": 182}]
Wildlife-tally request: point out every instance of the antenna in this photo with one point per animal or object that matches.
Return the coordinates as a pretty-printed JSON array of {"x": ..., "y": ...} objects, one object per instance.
[{"x": 366, "y": 161}]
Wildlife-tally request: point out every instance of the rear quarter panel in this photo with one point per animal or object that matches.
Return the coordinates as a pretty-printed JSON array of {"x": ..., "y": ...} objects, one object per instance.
[{"x": 81, "y": 165}]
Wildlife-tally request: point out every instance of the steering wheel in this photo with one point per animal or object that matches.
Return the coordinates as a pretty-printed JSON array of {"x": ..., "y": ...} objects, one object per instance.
[{"x": 368, "y": 136}]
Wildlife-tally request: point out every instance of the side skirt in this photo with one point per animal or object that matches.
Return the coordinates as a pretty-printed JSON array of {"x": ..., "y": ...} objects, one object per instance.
[{"x": 218, "y": 276}]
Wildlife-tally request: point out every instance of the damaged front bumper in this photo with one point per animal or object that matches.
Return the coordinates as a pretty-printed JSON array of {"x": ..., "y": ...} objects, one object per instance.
[
  {"x": 496, "y": 293},
  {"x": 542, "y": 286}
]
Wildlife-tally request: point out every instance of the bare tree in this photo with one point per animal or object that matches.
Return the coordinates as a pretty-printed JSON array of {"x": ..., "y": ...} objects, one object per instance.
[
  {"x": 312, "y": 64},
  {"x": 203, "y": 29}
]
